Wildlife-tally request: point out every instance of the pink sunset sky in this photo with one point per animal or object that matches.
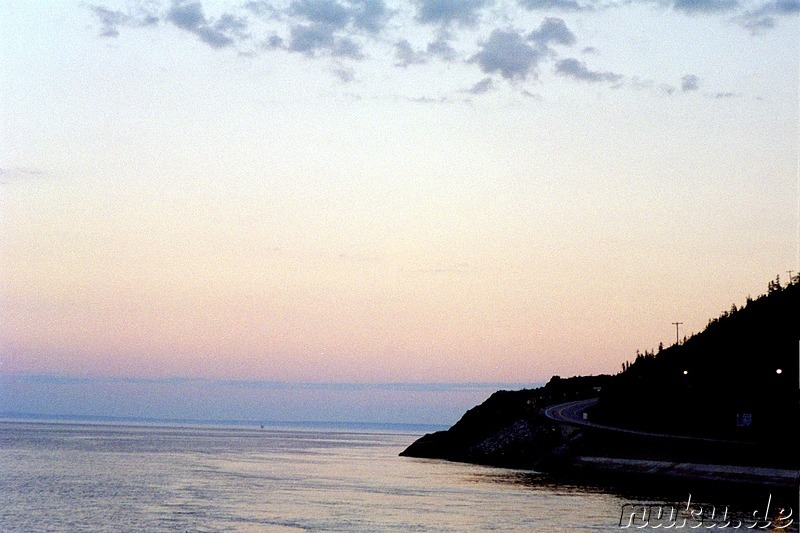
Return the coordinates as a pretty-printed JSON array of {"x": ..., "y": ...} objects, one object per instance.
[{"x": 370, "y": 192}]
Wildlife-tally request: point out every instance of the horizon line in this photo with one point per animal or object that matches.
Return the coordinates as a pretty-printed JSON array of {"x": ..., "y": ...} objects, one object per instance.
[
  {"x": 49, "y": 378},
  {"x": 16, "y": 417}
]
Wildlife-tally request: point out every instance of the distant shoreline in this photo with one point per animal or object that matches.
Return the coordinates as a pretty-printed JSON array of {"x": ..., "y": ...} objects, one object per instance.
[{"x": 242, "y": 424}]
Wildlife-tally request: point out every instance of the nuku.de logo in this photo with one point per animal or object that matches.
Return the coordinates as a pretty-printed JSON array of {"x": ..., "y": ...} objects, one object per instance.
[{"x": 706, "y": 516}]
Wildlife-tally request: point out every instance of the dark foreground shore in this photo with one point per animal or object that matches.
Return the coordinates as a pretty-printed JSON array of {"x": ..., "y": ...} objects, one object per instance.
[{"x": 510, "y": 430}]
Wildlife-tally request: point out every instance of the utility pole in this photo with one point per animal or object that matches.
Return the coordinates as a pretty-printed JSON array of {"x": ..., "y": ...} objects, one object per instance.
[
  {"x": 790, "y": 276},
  {"x": 677, "y": 335}
]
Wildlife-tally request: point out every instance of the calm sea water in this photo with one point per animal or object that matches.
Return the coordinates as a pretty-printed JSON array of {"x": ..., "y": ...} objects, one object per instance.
[{"x": 118, "y": 477}]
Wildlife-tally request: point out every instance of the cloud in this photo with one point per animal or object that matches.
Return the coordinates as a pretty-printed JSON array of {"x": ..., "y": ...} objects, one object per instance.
[
  {"x": 429, "y": 100},
  {"x": 558, "y": 5},
  {"x": 327, "y": 12},
  {"x": 49, "y": 379},
  {"x": 441, "y": 49},
  {"x": 274, "y": 42},
  {"x": 310, "y": 38},
  {"x": 347, "y": 29},
  {"x": 189, "y": 16},
  {"x": 370, "y": 15},
  {"x": 328, "y": 19},
  {"x": 780, "y": 8},
  {"x": 445, "y": 12},
  {"x": 213, "y": 37},
  {"x": 758, "y": 25},
  {"x": 9, "y": 174},
  {"x": 347, "y": 48},
  {"x": 552, "y": 31},
  {"x": 186, "y": 16},
  {"x": 259, "y": 7},
  {"x": 572, "y": 68},
  {"x": 690, "y": 82},
  {"x": 45, "y": 397},
  {"x": 666, "y": 89},
  {"x": 762, "y": 19},
  {"x": 482, "y": 87},
  {"x": 406, "y": 55},
  {"x": 640, "y": 84},
  {"x": 234, "y": 25},
  {"x": 112, "y": 20},
  {"x": 705, "y": 6},
  {"x": 756, "y": 20},
  {"x": 345, "y": 74},
  {"x": 509, "y": 54}
]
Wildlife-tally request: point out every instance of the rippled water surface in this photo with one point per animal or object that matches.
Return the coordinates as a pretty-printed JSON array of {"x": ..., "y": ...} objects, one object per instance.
[{"x": 109, "y": 477}]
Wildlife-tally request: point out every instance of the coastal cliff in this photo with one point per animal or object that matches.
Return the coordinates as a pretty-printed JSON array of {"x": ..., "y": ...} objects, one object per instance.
[
  {"x": 509, "y": 429},
  {"x": 727, "y": 397}
]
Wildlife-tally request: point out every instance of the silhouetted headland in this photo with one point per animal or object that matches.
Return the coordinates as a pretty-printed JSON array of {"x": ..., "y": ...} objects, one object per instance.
[{"x": 722, "y": 405}]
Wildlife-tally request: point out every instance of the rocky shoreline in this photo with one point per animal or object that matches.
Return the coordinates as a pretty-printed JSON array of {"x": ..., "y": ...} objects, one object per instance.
[{"x": 510, "y": 430}]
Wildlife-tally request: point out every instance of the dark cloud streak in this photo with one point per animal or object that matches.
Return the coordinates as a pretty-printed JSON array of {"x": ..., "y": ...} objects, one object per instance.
[
  {"x": 11, "y": 174},
  {"x": 482, "y": 87},
  {"x": 705, "y": 6},
  {"x": 573, "y": 68}
]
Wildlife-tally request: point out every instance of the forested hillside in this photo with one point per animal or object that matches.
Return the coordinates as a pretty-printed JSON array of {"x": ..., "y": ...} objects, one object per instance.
[{"x": 736, "y": 379}]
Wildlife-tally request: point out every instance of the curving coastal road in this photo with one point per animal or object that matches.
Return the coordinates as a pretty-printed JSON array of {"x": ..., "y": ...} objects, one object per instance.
[{"x": 572, "y": 413}]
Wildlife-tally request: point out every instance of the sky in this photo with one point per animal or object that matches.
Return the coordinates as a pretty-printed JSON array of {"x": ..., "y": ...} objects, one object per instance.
[{"x": 362, "y": 195}]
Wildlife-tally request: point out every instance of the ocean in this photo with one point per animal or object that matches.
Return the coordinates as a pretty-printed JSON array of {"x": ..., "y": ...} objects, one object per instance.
[{"x": 78, "y": 476}]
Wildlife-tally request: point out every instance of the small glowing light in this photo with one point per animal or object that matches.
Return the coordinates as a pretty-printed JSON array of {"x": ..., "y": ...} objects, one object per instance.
[
  {"x": 685, "y": 372},
  {"x": 779, "y": 371}
]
